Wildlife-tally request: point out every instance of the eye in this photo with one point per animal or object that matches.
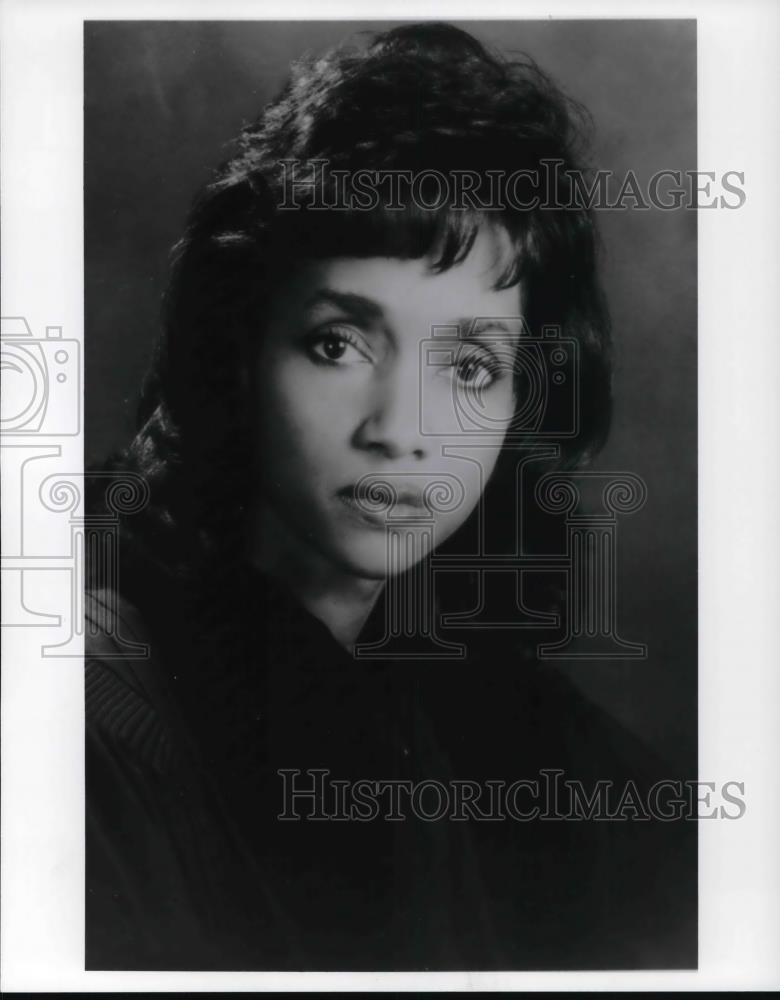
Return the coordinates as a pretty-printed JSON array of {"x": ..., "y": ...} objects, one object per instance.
[
  {"x": 332, "y": 347},
  {"x": 337, "y": 346},
  {"x": 477, "y": 368}
]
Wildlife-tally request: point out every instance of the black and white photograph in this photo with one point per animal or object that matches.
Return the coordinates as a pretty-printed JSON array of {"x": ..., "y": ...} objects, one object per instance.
[
  {"x": 361, "y": 502},
  {"x": 391, "y": 661}
]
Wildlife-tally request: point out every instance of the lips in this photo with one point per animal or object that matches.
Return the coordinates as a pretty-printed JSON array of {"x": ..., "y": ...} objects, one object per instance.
[
  {"x": 379, "y": 502},
  {"x": 383, "y": 496}
]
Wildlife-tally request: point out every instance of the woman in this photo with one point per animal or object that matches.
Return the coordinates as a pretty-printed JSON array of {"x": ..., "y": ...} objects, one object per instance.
[{"x": 341, "y": 398}]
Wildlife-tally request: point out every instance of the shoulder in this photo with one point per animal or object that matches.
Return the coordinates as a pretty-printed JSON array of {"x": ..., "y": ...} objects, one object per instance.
[
  {"x": 128, "y": 705},
  {"x": 147, "y": 824},
  {"x": 547, "y": 718},
  {"x": 607, "y": 746},
  {"x": 611, "y": 736}
]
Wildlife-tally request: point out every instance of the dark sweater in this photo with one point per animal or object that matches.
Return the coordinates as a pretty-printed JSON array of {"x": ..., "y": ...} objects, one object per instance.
[{"x": 189, "y": 866}]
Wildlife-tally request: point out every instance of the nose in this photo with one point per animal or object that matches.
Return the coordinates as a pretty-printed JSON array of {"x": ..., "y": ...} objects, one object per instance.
[{"x": 392, "y": 425}]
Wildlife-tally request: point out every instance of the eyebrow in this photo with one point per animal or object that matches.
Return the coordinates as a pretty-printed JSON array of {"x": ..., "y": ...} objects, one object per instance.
[
  {"x": 357, "y": 305},
  {"x": 475, "y": 325},
  {"x": 368, "y": 310}
]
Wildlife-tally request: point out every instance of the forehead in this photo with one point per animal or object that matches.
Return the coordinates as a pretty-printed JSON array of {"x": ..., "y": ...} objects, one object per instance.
[{"x": 407, "y": 288}]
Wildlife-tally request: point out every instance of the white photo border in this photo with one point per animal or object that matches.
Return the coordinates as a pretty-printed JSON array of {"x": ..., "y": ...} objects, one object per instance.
[{"x": 41, "y": 103}]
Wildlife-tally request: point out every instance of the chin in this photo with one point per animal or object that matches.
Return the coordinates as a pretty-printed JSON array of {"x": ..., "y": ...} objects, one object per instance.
[{"x": 367, "y": 555}]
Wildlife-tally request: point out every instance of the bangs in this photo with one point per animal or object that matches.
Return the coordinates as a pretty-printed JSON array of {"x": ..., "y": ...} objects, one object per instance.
[{"x": 445, "y": 235}]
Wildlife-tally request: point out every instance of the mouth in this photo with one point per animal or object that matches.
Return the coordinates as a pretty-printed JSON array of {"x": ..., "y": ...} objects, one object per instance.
[{"x": 376, "y": 503}]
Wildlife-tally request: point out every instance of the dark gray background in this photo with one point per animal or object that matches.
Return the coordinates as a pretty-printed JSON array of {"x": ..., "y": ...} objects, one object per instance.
[{"x": 163, "y": 98}]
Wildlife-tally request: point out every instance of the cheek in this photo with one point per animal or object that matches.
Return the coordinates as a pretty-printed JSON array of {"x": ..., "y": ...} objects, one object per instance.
[
  {"x": 304, "y": 426},
  {"x": 460, "y": 413}
]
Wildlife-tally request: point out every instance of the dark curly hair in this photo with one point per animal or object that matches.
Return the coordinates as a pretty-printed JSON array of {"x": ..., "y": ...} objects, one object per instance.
[{"x": 425, "y": 96}]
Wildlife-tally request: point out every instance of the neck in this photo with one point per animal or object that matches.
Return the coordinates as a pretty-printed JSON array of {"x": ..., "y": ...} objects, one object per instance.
[{"x": 338, "y": 598}]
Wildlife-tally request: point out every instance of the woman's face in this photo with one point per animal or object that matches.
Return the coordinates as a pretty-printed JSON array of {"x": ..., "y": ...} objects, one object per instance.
[{"x": 373, "y": 372}]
